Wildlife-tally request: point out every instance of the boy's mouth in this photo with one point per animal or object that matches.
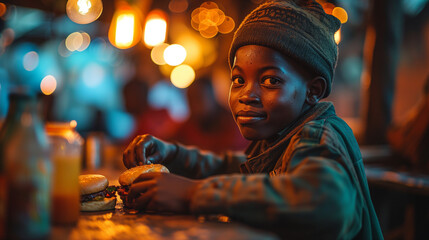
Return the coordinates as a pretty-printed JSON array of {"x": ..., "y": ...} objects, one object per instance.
[{"x": 250, "y": 117}]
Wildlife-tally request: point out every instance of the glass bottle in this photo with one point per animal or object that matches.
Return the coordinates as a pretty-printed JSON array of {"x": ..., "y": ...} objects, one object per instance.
[
  {"x": 24, "y": 150},
  {"x": 66, "y": 154}
]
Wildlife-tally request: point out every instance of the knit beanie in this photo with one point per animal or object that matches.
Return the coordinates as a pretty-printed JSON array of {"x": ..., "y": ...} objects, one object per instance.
[{"x": 299, "y": 29}]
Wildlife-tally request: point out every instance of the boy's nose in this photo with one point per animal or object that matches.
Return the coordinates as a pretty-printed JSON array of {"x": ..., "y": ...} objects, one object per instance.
[{"x": 249, "y": 98}]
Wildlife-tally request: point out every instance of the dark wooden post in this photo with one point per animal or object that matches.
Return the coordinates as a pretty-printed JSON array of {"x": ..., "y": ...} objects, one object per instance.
[{"x": 382, "y": 60}]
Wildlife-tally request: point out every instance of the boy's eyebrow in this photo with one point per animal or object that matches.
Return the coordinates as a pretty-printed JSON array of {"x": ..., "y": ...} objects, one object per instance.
[
  {"x": 263, "y": 69},
  {"x": 236, "y": 67},
  {"x": 270, "y": 67}
]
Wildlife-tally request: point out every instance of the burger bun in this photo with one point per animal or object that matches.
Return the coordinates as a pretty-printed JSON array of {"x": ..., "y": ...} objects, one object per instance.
[
  {"x": 128, "y": 177},
  {"x": 92, "y": 183}
]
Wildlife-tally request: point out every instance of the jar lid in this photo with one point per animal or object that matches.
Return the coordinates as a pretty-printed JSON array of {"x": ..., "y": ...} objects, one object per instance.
[{"x": 58, "y": 126}]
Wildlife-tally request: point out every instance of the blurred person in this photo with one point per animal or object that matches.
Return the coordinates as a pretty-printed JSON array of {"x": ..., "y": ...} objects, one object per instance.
[
  {"x": 302, "y": 175},
  {"x": 209, "y": 126},
  {"x": 148, "y": 119}
]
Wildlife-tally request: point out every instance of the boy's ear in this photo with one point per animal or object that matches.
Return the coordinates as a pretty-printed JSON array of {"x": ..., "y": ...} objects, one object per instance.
[{"x": 316, "y": 88}]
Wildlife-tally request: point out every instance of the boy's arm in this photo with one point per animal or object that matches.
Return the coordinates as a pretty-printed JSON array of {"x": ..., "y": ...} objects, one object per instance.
[
  {"x": 194, "y": 163},
  {"x": 315, "y": 198}
]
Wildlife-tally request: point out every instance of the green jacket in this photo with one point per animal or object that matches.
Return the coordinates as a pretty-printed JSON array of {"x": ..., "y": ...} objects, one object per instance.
[{"x": 309, "y": 184}]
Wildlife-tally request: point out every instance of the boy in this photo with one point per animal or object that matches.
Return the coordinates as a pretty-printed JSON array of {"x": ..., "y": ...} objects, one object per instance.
[{"x": 302, "y": 176}]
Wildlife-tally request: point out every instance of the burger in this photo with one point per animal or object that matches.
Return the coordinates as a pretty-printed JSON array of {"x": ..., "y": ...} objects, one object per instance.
[
  {"x": 96, "y": 194},
  {"x": 128, "y": 177}
]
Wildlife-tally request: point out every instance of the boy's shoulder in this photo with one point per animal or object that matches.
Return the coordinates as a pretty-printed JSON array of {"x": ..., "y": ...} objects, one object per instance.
[
  {"x": 327, "y": 127},
  {"x": 330, "y": 131}
]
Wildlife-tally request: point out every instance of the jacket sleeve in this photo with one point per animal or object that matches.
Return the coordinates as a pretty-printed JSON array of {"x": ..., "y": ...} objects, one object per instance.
[
  {"x": 313, "y": 199},
  {"x": 194, "y": 163}
]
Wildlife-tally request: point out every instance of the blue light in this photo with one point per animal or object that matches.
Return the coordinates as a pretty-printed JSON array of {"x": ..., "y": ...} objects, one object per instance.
[
  {"x": 165, "y": 95},
  {"x": 120, "y": 125},
  {"x": 4, "y": 101}
]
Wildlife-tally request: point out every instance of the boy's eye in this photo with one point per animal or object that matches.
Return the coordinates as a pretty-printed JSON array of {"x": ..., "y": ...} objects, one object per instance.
[
  {"x": 237, "y": 80},
  {"x": 271, "y": 81}
]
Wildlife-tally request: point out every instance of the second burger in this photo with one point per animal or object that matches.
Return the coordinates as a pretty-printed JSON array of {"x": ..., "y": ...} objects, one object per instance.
[{"x": 128, "y": 177}]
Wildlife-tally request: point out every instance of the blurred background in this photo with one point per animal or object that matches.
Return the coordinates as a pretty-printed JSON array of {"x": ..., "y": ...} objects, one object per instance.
[
  {"x": 120, "y": 68},
  {"x": 127, "y": 67}
]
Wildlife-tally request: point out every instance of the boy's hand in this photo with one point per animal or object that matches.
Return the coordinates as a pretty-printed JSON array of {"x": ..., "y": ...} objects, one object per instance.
[
  {"x": 162, "y": 192},
  {"x": 147, "y": 149}
]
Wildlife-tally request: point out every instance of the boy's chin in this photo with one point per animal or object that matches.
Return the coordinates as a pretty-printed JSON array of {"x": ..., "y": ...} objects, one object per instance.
[
  {"x": 251, "y": 135},
  {"x": 256, "y": 135}
]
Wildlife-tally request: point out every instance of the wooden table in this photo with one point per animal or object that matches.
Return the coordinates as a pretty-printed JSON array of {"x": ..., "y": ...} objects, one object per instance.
[{"x": 120, "y": 224}]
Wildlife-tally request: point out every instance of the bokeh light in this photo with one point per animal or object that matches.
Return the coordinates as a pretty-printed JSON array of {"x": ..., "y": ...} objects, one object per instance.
[
  {"x": 157, "y": 54},
  {"x": 155, "y": 28},
  {"x": 220, "y": 15},
  {"x": 48, "y": 85},
  {"x": 125, "y": 29},
  {"x": 195, "y": 15},
  {"x": 209, "y": 20},
  {"x": 337, "y": 36},
  {"x": 119, "y": 124},
  {"x": 73, "y": 123},
  {"x": 31, "y": 60},
  {"x": 84, "y": 11},
  {"x": 182, "y": 76},
  {"x": 178, "y": 6},
  {"x": 86, "y": 40},
  {"x": 174, "y": 54},
  {"x": 328, "y": 7},
  {"x": 227, "y": 25},
  {"x": 77, "y": 41},
  {"x": 93, "y": 75},
  {"x": 62, "y": 49},
  {"x": 194, "y": 50},
  {"x": 8, "y": 35},
  {"x": 209, "y": 5},
  {"x": 208, "y": 28},
  {"x": 340, "y": 13},
  {"x": 166, "y": 70},
  {"x": 74, "y": 41},
  {"x": 2, "y": 9}
]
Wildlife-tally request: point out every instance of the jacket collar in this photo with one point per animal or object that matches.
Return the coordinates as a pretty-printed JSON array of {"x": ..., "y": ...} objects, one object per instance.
[{"x": 262, "y": 156}]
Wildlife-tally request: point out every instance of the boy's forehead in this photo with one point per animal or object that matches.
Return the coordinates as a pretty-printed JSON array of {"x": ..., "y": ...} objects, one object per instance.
[
  {"x": 266, "y": 56},
  {"x": 250, "y": 52}
]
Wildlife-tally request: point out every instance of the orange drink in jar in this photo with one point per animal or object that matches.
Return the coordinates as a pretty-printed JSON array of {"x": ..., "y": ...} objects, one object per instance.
[{"x": 66, "y": 153}]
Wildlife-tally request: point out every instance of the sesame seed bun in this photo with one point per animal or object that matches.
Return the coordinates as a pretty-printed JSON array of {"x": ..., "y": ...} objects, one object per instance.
[
  {"x": 128, "y": 177},
  {"x": 92, "y": 183}
]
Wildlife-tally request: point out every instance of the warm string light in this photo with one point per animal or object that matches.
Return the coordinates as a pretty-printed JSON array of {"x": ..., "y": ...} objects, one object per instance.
[
  {"x": 155, "y": 28},
  {"x": 125, "y": 29},
  {"x": 84, "y": 11}
]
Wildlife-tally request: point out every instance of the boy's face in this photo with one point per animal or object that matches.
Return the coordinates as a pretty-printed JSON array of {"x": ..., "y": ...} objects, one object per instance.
[{"x": 267, "y": 92}]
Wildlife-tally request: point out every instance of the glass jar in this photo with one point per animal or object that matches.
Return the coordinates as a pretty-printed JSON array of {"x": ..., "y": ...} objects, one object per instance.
[
  {"x": 26, "y": 164},
  {"x": 66, "y": 154}
]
